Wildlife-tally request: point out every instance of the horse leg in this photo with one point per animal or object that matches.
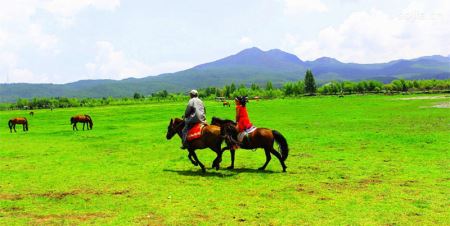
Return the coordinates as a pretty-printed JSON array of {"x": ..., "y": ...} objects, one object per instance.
[
  {"x": 192, "y": 152},
  {"x": 14, "y": 126},
  {"x": 83, "y": 125},
  {"x": 218, "y": 159},
  {"x": 190, "y": 158},
  {"x": 268, "y": 157},
  {"x": 232, "y": 152},
  {"x": 274, "y": 152}
]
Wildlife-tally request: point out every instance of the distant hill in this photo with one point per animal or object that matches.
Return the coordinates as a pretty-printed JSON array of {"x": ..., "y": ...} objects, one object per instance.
[{"x": 248, "y": 66}]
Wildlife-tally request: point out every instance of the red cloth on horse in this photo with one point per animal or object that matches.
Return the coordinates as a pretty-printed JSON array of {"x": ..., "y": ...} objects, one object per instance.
[
  {"x": 195, "y": 132},
  {"x": 242, "y": 120}
]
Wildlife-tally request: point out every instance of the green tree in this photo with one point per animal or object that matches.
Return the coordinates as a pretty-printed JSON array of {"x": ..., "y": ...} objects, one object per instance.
[
  {"x": 310, "y": 83},
  {"x": 137, "y": 96},
  {"x": 269, "y": 85}
]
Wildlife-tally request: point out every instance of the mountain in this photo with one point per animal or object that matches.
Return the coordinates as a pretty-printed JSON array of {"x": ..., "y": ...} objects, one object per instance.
[{"x": 247, "y": 66}]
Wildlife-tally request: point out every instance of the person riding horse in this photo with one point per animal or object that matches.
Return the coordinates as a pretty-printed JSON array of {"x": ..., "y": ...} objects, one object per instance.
[
  {"x": 195, "y": 112},
  {"x": 243, "y": 123}
]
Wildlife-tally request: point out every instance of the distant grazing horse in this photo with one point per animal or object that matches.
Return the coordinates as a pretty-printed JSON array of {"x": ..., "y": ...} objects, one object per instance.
[
  {"x": 260, "y": 138},
  {"x": 12, "y": 124},
  {"x": 210, "y": 138},
  {"x": 226, "y": 103},
  {"x": 81, "y": 118},
  {"x": 31, "y": 113}
]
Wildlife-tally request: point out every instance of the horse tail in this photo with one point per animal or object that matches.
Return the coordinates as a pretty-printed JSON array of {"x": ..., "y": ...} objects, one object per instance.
[{"x": 281, "y": 141}]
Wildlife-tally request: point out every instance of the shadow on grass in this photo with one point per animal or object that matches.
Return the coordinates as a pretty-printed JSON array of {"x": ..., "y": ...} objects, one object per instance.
[
  {"x": 247, "y": 170},
  {"x": 199, "y": 173},
  {"x": 213, "y": 173}
]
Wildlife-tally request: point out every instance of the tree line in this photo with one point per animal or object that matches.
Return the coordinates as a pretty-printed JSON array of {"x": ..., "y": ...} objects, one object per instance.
[{"x": 306, "y": 86}]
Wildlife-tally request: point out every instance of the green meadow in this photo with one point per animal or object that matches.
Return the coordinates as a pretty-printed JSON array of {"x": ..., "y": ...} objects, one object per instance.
[{"x": 371, "y": 160}]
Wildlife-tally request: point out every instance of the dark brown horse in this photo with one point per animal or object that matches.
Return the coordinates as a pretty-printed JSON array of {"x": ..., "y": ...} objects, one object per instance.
[
  {"x": 12, "y": 124},
  {"x": 226, "y": 103},
  {"x": 31, "y": 113},
  {"x": 81, "y": 118},
  {"x": 210, "y": 138},
  {"x": 260, "y": 138}
]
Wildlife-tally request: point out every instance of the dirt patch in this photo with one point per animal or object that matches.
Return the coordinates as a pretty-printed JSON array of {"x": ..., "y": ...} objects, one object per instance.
[
  {"x": 442, "y": 105},
  {"x": 12, "y": 197},
  {"x": 150, "y": 219},
  {"x": 60, "y": 195},
  {"x": 423, "y": 98},
  {"x": 301, "y": 188},
  {"x": 11, "y": 209},
  {"x": 45, "y": 219},
  {"x": 370, "y": 181},
  {"x": 408, "y": 183}
]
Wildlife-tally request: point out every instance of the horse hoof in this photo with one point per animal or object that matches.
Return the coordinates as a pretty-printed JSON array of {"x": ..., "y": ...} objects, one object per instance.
[{"x": 230, "y": 167}]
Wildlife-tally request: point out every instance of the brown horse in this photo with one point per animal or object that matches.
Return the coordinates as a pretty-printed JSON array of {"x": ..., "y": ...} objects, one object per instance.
[
  {"x": 226, "y": 103},
  {"x": 260, "y": 138},
  {"x": 81, "y": 118},
  {"x": 210, "y": 138},
  {"x": 12, "y": 124},
  {"x": 31, "y": 113}
]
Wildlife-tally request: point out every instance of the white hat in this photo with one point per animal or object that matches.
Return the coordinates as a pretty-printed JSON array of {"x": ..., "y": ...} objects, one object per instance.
[{"x": 194, "y": 92}]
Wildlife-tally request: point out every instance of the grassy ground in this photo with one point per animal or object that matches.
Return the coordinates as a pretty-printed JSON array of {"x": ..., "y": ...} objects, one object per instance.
[{"x": 353, "y": 160}]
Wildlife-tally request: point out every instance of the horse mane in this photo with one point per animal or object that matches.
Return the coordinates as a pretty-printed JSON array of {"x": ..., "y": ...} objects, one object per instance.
[{"x": 219, "y": 121}]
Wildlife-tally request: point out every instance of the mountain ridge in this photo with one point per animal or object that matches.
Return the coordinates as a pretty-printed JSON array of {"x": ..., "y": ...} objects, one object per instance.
[{"x": 251, "y": 65}]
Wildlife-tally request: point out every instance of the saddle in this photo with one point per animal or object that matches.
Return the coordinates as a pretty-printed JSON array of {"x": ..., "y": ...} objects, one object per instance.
[
  {"x": 195, "y": 132},
  {"x": 245, "y": 133}
]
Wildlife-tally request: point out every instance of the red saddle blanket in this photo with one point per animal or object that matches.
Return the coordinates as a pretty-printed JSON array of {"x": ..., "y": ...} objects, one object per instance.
[{"x": 195, "y": 132}]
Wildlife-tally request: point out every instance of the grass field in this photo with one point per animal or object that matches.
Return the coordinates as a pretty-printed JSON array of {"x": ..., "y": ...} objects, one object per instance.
[{"x": 374, "y": 160}]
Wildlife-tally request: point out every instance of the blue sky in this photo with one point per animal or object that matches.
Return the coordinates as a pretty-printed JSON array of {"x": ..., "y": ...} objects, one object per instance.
[{"x": 57, "y": 41}]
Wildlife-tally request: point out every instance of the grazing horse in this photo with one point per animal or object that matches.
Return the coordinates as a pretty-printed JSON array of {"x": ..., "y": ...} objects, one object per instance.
[
  {"x": 81, "y": 118},
  {"x": 260, "y": 138},
  {"x": 31, "y": 113},
  {"x": 226, "y": 103},
  {"x": 210, "y": 138},
  {"x": 12, "y": 124}
]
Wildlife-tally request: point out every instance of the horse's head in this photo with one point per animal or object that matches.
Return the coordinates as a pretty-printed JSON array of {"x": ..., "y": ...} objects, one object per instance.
[
  {"x": 72, "y": 120},
  {"x": 175, "y": 125},
  {"x": 216, "y": 121},
  {"x": 89, "y": 120}
]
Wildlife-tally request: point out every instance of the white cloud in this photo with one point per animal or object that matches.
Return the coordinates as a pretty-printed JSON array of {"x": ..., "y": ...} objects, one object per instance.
[
  {"x": 374, "y": 36},
  {"x": 66, "y": 10},
  {"x": 293, "y": 7},
  {"x": 21, "y": 75},
  {"x": 245, "y": 41},
  {"x": 21, "y": 34},
  {"x": 41, "y": 39},
  {"x": 112, "y": 63}
]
